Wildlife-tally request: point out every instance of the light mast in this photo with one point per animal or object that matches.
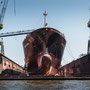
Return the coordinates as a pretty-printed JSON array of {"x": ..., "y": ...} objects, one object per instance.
[
  {"x": 88, "y": 24},
  {"x": 88, "y": 50},
  {"x": 45, "y": 23}
]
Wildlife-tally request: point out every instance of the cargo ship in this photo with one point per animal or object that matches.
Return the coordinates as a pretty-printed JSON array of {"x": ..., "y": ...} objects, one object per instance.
[{"x": 43, "y": 49}]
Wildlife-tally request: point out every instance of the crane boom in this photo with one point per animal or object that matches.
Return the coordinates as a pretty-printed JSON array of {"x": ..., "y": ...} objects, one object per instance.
[
  {"x": 8, "y": 34},
  {"x": 2, "y": 13}
]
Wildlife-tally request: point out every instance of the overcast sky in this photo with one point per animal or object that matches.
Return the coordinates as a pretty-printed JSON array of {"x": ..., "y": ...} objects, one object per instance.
[{"x": 68, "y": 16}]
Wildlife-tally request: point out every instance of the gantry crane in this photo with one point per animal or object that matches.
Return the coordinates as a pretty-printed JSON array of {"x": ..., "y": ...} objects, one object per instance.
[{"x": 3, "y": 6}]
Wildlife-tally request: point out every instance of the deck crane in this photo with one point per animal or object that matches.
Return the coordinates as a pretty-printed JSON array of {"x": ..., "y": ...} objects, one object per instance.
[{"x": 3, "y": 6}]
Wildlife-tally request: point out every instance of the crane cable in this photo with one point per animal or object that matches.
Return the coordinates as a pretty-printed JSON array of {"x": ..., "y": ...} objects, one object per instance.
[
  {"x": 65, "y": 60},
  {"x": 15, "y": 7},
  {"x": 69, "y": 51}
]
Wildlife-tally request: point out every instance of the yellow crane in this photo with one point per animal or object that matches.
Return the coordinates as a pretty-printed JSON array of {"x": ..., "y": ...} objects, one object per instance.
[{"x": 3, "y": 6}]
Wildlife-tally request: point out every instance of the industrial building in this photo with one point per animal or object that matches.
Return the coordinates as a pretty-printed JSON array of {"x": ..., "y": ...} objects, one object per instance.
[
  {"x": 8, "y": 64},
  {"x": 79, "y": 67}
]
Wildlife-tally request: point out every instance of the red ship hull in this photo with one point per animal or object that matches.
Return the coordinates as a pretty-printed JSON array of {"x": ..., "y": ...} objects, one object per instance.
[{"x": 43, "y": 49}]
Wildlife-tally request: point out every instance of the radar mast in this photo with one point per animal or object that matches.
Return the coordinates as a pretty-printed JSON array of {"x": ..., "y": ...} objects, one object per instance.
[{"x": 45, "y": 23}]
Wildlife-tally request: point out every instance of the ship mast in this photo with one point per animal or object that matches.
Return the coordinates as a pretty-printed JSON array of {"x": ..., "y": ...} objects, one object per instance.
[{"x": 45, "y": 14}]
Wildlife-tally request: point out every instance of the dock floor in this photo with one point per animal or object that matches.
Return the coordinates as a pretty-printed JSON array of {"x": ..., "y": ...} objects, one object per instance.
[{"x": 42, "y": 78}]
